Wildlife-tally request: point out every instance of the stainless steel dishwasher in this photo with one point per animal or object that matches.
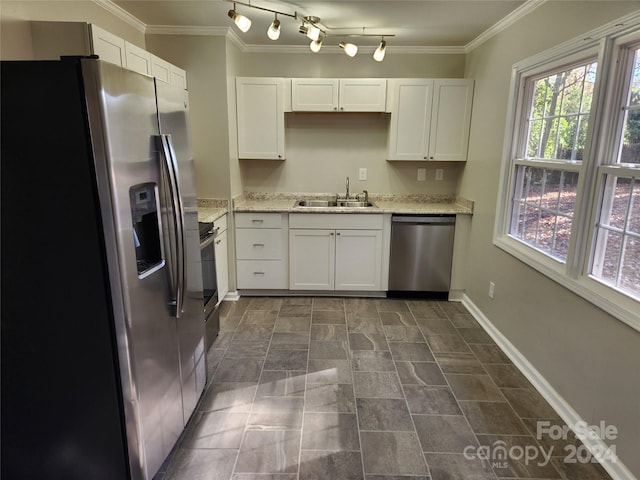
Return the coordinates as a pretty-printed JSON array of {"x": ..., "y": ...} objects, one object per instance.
[{"x": 421, "y": 253}]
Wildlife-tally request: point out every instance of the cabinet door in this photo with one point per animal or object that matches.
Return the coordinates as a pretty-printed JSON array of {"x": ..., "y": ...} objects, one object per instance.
[
  {"x": 108, "y": 47},
  {"x": 311, "y": 259},
  {"x": 222, "y": 265},
  {"x": 161, "y": 69},
  {"x": 358, "y": 259},
  {"x": 410, "y": 119},
  {"x": 138, "y": 60},
  {"x": 178, "y": 77},
  {"x": 362, "y": 95},
  {"x": 314, "y": 94},
  {"x": 450, "y": 119},
  {"x": 260, "y": 111}
]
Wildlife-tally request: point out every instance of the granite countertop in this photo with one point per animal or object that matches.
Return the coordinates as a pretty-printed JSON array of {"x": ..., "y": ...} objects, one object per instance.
[
  {"x": 407, "y": 204},
  {"x": 209, "y": 210}
]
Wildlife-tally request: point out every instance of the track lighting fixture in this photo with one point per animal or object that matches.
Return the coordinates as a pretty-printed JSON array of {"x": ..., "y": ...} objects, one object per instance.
[
  {"x": 316, "y": 45},
  {"x": 242, "y": 22},
  {"x": 274, "y": 29},
  {"x": 378, "y": 55},
  {"x": 349, "y": 48}
]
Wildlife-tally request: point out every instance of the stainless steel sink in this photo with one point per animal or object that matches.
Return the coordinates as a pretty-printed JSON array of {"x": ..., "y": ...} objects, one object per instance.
[{"x": 334, "y": 203}]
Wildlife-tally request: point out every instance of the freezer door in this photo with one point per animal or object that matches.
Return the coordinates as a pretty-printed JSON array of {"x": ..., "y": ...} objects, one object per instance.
[
  {"x": 123, "y": 121},
  {"x": 173, "y": 123}
]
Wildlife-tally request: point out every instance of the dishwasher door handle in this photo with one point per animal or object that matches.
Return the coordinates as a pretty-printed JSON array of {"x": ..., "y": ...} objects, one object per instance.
[{"x": 424, "y": 220}]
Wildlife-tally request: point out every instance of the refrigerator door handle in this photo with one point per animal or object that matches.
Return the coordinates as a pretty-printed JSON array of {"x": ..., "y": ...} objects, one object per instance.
[{"x": 170, "y": 171}]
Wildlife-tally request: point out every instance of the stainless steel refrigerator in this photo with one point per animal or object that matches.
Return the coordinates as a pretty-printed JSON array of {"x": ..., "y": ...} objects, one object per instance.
[{"x": 102, "y": 324}]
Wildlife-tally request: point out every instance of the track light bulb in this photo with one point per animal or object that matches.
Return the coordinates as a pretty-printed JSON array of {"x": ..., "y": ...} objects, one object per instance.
[
  {"x": 378, "y": 55},
  {"x": 349, "y": 48},
  {"x": 274, "y": 30},
  {"x": 313, "y": 32},
  {"x": 242, "y": 22},
  {"x": 316, "y": 45}
]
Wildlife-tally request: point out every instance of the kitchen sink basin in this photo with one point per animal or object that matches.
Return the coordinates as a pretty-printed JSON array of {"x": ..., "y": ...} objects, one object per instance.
[{"x": 333, "y": 203}]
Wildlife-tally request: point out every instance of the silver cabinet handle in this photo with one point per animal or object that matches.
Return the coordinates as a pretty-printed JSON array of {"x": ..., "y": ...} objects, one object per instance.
[
  {"x": 258, "y": 273},
  {"x": 258, "y": 245},
  {"x": 257, "y": 220}
]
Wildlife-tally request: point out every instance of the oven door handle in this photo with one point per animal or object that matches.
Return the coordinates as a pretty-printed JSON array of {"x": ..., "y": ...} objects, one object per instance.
[{"x": 208, "y": 241}]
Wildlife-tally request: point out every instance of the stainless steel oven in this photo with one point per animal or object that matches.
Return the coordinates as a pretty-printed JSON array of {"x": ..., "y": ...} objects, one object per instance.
[{"x": 209, "y": 282}]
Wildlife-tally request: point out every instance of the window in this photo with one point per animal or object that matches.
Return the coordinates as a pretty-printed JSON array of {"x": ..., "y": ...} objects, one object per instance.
[{"x": 570, "y": 201}]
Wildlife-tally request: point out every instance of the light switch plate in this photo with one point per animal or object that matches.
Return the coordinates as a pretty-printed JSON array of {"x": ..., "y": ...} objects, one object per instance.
[
  {"x": 439, "y": 174},
  {"x": 422, "y": 174},
  {"x": 362, "y": 174}
]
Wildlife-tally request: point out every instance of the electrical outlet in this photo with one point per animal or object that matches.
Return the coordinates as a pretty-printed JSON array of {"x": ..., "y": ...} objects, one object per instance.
[
  {"x": 439, "y": 174},
  {"x": 362, "y": 174},
  {"x": 492, "y": 290},
  {"x": 422, "y": 174}
]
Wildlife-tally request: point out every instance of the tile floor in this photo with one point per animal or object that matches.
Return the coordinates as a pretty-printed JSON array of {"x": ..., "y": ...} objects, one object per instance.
[{"x": 371, "y": 389}]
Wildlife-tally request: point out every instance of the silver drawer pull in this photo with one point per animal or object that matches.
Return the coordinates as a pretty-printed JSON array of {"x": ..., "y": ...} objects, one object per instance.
[
  {"x": 258, "y": 273},
  {"x": 257, "y": 220},
  {"x": 256, "y": 245}
]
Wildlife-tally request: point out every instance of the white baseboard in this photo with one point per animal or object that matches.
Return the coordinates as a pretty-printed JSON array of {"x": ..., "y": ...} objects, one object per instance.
[
  {"x": 616, "y": 469},
  {"x": 232, "y": 296}
]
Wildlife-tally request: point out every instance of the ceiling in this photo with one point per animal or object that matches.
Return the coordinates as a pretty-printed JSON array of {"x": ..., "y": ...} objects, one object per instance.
[{"x": 445, "y": 25}]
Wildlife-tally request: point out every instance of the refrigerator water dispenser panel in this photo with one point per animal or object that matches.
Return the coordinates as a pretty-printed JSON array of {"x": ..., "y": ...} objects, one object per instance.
[{"x": 146, "y": 227}]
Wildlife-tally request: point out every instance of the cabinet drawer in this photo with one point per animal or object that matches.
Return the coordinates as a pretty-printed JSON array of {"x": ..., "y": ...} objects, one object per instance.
[
  {"x": 352, "y": 221},
  {"x": 261, "y": 274},
  {"x": 258, "y": 220},
  {"x": 259, "y": 244}
]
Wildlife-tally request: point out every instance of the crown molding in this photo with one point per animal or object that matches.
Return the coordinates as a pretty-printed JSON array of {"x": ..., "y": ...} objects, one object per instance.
[
  {"x": 122, "y": 14},
  {"x": 519, "y": 13}
]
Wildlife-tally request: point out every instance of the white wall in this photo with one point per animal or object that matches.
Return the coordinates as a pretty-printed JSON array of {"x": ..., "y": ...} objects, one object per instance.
[{"x": 589, "y": 357}]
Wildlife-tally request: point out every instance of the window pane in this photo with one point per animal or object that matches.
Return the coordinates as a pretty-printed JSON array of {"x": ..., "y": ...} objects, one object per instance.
[
  {"x": 612, "y": 247},
  {"x": 620, "y": 191},
  {"x": 630, "y": 270},
  {"x": 633, "y": 222},
  {"x": 535, "y": 130},
  {"x": 568, "y": 193},
  {"x": 630, "y": 151}
]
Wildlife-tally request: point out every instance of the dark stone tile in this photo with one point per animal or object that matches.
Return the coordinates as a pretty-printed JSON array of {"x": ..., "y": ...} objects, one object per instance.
[
  {"x": 411, "y": 352},
  {"x": 323, "y": 349},
  {"x": 295, "y": 311},
  {"x": 281, "y": 383},
  {"x": 384, "y": 414},
  {"x": 264, "y": 476},
  {"x": 328, "y": 317},
  {"x": 204, "y": 464},
  {"x": 293, "y": 324},
  {"x": 447, "y": 343},
  {"x": 535, "y": 464},
  {"x": 474, "y": 387},
  {"x": 392, "y": 305},
  {"x": 222, "y": 340},
  {"x": 425, "y": 309},
  {"x": 422, "y": 373},
  {"x": 264, "y": 303},
  {"x": 436, "y": 326},
  {"x": 464, "y": 320},
  {"x": 368, "y": 341},
  {"x": 337, "y": 398},
  {"x": 580, "y": 471},
  {"x": 561, "y": 445},
  {"x": 456, "y": 467},
  {"x": 396, "y": 477},
  {"x": 268, "y": 451},
  {"x": 507, "y": 376},
  {"x": 403, "y": 334},
  {"x": 372, "y": 361},
  {"x": 214, "y": 357},
  {"x": 323, "y": 465},
  {"x": 489, "y": 354},
  {"x": 265, "y": 318},
  {"x": 377, "y": 385},
  {"x": 431, "y": 400},
  {"x": 475, "y": 335},
  {"x": 392, "y": 453},
  {"x": 402, "y": 319},
  {"x": 327, "y": 303},
  {"x": 363, "y": 307},
  {"x": 228, "y": 397},
  {"x": 335, "y": 333},
  {"x": 452, "y": 308},
  {"x": 356, "y": 324},
  {"x": 454, "y": 362},
  {"x": 276, "y": 413},
  {"x": 329, "y": 372},
  {"x": 286, "y": 360},
  {"x": 330, "y": 431},
  {"x": 238, "y": 370},
  {"x": 229, "y": 324},
  {"x": 247, "y": 348},
  {"x": 297, "y": 301},
  {"x": 492, "y": 418},
  {"x": 215, "y": 430},
  {"x": 444, "y": 433},
  {"x": 528, "y": 403},
  {"x": 289, "y": 341},
  {"x": 252, "y": 332}
]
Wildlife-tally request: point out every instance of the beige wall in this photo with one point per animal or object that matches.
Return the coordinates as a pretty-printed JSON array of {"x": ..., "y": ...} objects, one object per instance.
[
  {"x": 590, "y": 358},
  {"x": 15, "y": 30}
]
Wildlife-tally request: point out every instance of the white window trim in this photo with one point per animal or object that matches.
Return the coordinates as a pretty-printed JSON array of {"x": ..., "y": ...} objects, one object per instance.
[{"x": 574, "y": 274}]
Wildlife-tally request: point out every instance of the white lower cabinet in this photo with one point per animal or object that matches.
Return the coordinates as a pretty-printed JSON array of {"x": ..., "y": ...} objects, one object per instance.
[
  {"x": 335, "y": 252},
  {"x": 222, "y": 263}
]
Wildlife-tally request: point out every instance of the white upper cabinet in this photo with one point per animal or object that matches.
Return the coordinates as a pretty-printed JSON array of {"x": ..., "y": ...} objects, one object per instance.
[
  {"x": 178, "y": 77},
  {"x": 161, "y": 69},
  {"x": 138, "y": 59},
  {"x": 430, "y": 119},
  {"x": 260, "y": 112},
  {"x": 108, "y": 46},
  {"x": 333, "y": 95}
]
